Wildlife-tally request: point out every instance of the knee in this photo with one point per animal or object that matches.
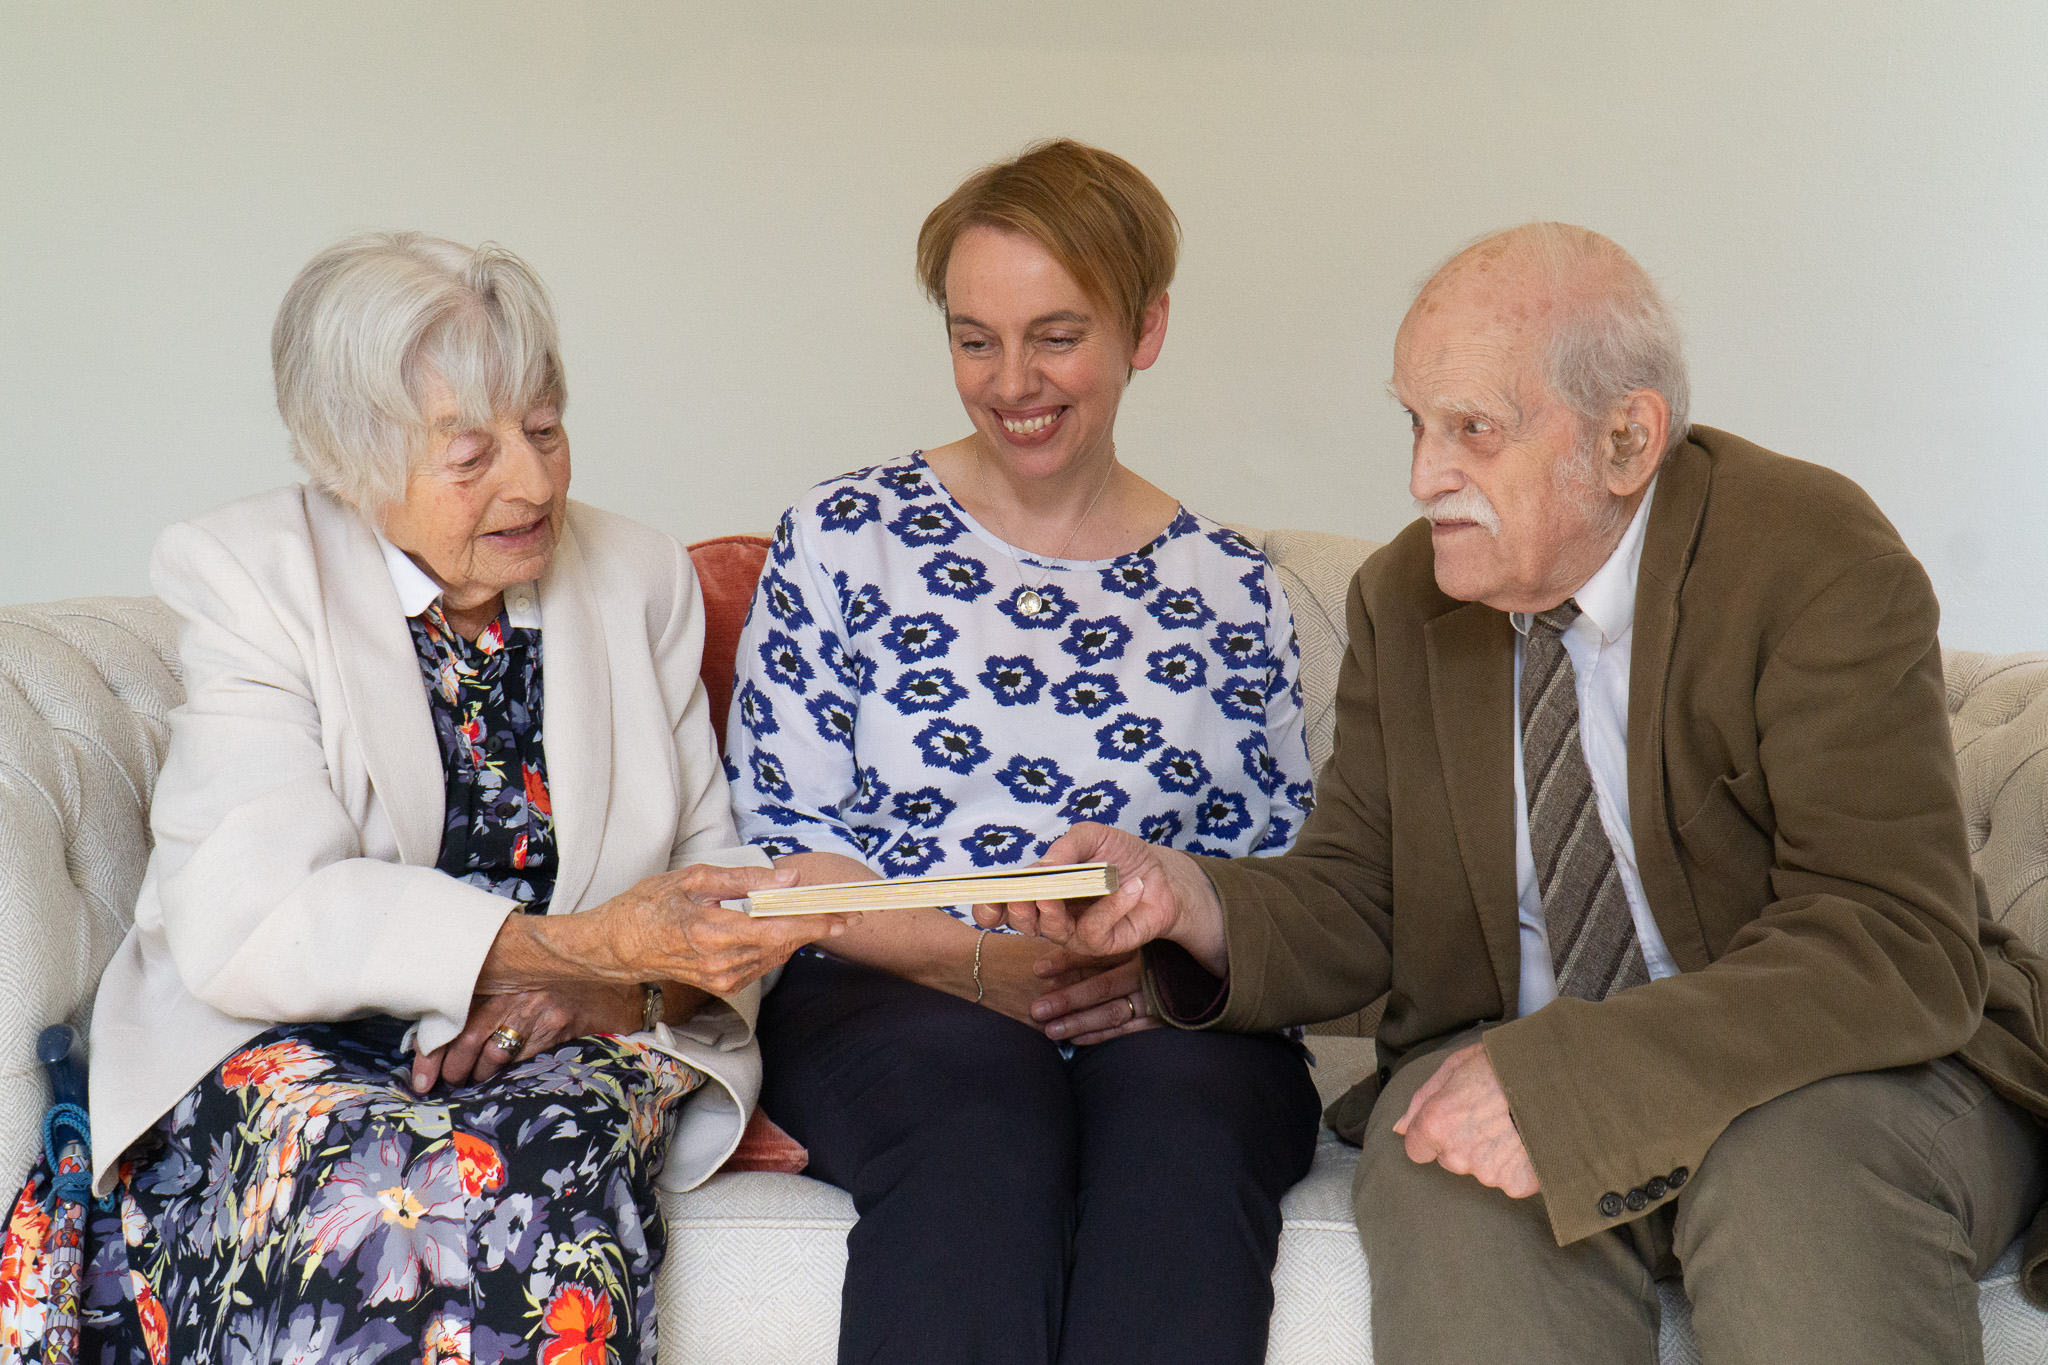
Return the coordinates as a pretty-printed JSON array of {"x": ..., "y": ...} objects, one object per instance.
[
  {"x": 1207, "y": 1110},
  {"x": 1819, "y": 1132},
  {"x": 1003, "y": 1122},
  {"x": 1229, "y": 1086},
  {"x": 1810, "y": 1164}
]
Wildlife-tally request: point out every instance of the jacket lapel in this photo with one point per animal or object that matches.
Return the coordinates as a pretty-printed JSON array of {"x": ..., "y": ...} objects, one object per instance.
[
  {"x": 1471, "y": 690},
  {"x": 576, "y": 718},
  {"x": 380, "y": 678},
  {"x": 1675, "y": 519}
]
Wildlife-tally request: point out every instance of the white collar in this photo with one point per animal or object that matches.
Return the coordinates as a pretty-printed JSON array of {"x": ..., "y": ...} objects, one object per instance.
[
  {"x": 417, "y": 592},
  {"x": 1607, "y": 600}
]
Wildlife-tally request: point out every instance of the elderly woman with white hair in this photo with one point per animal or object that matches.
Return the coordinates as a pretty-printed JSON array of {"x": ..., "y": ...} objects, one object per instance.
[{"x": 421, "y": 996}]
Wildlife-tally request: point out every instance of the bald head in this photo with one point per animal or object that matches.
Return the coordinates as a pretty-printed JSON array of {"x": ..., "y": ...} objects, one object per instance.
[
  {"x": 1577, "y": 305},
  {"x": 1545, "y": 384}
]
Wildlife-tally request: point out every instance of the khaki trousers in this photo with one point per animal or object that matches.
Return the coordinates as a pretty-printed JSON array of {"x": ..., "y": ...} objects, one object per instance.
[{"x": 1845, "y": 1222}]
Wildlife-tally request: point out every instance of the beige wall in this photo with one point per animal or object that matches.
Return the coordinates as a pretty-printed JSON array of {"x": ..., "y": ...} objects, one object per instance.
[{"x": 1850, "y": 204}]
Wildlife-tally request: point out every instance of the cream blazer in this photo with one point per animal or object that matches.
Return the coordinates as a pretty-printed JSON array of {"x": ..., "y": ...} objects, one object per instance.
[{"x": 298, "y": 815}]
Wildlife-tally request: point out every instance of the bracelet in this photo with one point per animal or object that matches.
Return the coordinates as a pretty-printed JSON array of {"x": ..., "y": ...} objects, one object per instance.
[{"x": 978, "y": 992}]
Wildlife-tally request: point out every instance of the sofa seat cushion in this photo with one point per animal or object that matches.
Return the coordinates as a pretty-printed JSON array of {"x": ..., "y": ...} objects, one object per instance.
[{"x": 756, "y": 1262}]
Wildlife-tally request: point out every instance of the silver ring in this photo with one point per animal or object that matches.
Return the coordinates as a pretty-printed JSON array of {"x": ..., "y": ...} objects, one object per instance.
[{"x": 508, "y": 1038}]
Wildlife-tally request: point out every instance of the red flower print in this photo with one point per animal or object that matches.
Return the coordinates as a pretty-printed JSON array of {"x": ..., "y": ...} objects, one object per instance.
[
  {"x": 156, "y": 1325},
  {"x": 581, "y": 1324},
  {"x": 537, "y": 791},
  {"x": 481, "y": 1166},
  {"x": 519, "y": 851},
  {"x": 24, "y": 1277},
  {"x": 265, "y": 1067}
]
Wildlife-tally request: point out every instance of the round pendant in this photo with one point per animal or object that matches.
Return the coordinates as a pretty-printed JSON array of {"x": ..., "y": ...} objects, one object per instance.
[{"x": 1030, "y": 603}]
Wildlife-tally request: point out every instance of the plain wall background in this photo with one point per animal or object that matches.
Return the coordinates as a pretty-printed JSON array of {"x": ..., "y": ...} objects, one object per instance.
[{"x": 1848, "y": 203}]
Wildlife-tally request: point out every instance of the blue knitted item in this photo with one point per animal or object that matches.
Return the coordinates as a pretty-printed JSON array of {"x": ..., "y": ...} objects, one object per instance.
[{"x": 75, "y": 1186}]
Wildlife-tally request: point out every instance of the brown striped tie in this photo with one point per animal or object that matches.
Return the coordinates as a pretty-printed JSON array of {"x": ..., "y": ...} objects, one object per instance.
[{"x": 1593, "y": 944}]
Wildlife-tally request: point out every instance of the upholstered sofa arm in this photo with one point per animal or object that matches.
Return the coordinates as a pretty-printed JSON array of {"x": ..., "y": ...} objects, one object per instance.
[{"x": 86, "y": 687}]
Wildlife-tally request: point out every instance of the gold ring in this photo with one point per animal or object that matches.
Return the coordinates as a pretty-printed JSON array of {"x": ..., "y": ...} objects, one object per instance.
[
  {"x": 508, "y": 1038},
  {"x": 1134, "y": 1011}
]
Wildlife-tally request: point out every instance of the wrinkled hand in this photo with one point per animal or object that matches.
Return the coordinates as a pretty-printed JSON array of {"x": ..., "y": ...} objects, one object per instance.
[
  {"x": 672, "y": 928},
  {"x": 1160, "y": 894},
  {"x": 1460, "y": 1120},
  {"x": 541, "y": 1018},
  {"x": 1091, "y": 999}
]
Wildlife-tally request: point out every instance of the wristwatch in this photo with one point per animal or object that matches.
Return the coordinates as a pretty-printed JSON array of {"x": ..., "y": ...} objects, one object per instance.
[{"x": 650, "y": 1005}]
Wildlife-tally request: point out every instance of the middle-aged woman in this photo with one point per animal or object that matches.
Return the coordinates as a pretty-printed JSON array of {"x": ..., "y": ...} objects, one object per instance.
[
  {"x": 951, "y": 658},
  {"x": 420, "y": 996}
]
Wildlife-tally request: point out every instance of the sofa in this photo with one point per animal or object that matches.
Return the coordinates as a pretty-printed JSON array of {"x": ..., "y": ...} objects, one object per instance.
[{"x": 756, "y": 1258}]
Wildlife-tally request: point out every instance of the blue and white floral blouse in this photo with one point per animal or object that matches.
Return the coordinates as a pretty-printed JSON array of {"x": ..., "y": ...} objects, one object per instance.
[{"x": 895, "y": 705}]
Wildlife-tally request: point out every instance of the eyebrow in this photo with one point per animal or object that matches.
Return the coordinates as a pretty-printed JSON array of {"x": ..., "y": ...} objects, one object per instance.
[
  {"x": 1508, "y": 414},
  {"x": 1063, "y": 315}
]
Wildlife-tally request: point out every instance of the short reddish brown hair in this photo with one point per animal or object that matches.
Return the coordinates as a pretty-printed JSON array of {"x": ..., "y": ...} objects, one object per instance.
[{"x": 1094, "y": 212}]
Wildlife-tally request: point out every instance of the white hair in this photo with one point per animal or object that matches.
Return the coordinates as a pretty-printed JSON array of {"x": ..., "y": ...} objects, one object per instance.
[
  {"x": 370, "y": 319},
  {"x": 1612, "y": 330}
]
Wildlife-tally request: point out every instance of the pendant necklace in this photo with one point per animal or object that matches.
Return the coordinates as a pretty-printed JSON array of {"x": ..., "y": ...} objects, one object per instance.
[{"x": 1029, "y": 600}]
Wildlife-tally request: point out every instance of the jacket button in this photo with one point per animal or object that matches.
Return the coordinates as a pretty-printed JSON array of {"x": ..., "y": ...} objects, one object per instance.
[
  {"x": 1676, "y": 1180},
  {"x": 1636, "y": 1200},
  {"x": 1610, "y": 1205},
  {"x": 1657, "y": 1187},
  {"x": 1386, "y": 1074}
]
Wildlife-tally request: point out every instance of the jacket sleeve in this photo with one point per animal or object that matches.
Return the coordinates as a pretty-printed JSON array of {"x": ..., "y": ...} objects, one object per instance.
[
  {"x": 270, "y": 909},
  {"x": 1308, "y": 931},
  {"x": 1865, "y": 957}
]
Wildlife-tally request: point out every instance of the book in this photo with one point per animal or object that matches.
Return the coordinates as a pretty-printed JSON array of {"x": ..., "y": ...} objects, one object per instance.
[{"x": 1076, "y": 881}]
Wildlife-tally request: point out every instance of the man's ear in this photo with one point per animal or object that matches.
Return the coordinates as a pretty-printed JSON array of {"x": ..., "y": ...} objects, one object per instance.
[{"x": 1637, "y": 431}]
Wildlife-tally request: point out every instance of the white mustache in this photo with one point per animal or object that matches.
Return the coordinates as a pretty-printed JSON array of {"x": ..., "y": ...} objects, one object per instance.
[{"x": 1464, "y": 504}]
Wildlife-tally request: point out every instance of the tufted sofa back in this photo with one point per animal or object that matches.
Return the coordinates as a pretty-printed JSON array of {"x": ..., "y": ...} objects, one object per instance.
[
  {"x": 87, "y": 686},
  {"x": 1998, "y": 717},
  {"x": 86, "y": 691}
]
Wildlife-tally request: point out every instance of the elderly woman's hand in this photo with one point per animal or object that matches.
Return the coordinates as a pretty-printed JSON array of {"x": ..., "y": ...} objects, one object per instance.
[
  {"x": 540, "y": 1019},
  {"x": 672, "y": 928},
  {"x": 665, "y": 928}
]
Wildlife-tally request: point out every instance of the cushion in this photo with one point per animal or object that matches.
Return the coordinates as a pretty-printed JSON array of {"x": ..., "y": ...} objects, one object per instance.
[
  {"x": 765, "y": 1147},
  {"x": 728, "y": 567}
]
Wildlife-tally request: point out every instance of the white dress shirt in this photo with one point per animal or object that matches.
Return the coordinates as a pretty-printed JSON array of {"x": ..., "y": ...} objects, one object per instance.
[
  {"x": 1599, "y": 645},
  {"x": 417, "y": 591}
]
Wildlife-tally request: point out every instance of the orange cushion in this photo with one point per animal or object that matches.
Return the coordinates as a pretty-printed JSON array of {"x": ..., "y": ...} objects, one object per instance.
[
  {"x": 728, "y": 568},
  {"x": 765, "y": 1147}
]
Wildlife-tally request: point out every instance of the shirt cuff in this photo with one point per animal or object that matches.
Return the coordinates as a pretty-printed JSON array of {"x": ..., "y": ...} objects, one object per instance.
[{"x": 1188, "y": 993}]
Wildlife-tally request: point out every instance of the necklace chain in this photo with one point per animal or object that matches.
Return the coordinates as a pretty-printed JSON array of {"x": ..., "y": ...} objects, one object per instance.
[{"x": 1028, "y": 599}]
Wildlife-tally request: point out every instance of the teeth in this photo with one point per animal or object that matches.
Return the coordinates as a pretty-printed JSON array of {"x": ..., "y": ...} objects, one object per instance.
[{"x": 1025, "y": 428}]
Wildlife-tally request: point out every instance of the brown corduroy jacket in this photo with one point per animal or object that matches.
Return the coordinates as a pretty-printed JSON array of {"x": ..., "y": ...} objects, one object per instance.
[{"x": 1797, "y": 820}]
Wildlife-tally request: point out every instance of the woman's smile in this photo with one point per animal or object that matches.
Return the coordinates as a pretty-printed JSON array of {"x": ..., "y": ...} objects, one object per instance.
[{"x": 1029, "y": 427}]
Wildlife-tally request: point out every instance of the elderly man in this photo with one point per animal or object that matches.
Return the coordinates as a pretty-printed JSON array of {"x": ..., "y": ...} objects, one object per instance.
[{"x": 1643, "y": 809}]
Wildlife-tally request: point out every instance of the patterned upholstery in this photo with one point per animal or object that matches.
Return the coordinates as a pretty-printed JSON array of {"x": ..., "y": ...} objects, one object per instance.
[
  {"x": 756, "y": 1259},
  {"x": 86, "y": 689}
]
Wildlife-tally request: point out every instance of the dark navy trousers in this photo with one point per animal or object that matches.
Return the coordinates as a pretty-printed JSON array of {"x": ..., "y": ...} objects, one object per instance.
[{"x": 1020, "y": 1208}]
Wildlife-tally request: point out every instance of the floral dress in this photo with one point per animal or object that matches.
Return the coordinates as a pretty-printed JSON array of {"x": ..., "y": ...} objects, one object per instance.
[{"x": 302, "y": 1204}]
